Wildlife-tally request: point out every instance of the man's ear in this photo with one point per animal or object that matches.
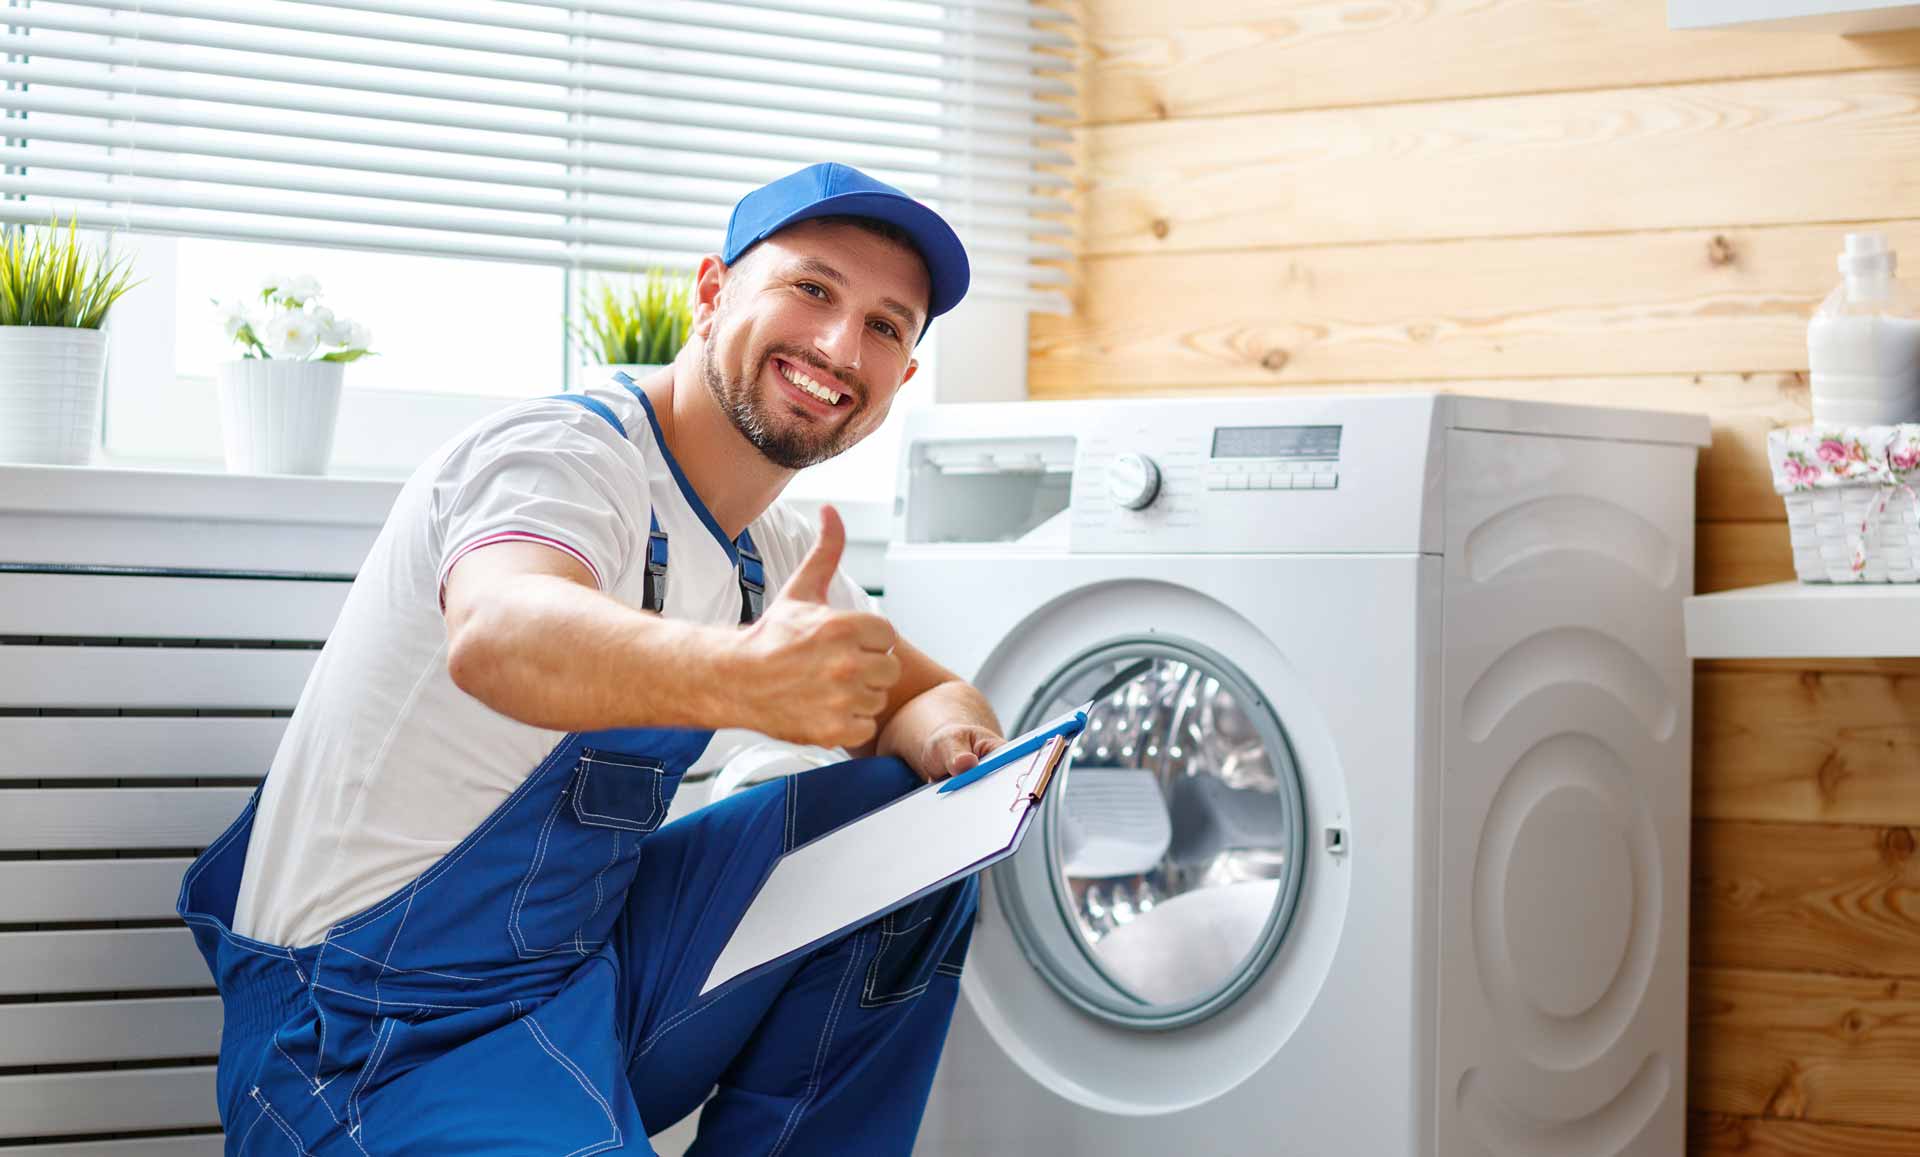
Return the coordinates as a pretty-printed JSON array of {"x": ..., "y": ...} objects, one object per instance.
[
  {"x": 913, "y": 366},
  {"x": 708, "y": 281}
]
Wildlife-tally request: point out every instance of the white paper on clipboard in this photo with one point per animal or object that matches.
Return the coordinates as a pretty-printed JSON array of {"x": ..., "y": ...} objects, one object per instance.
[{"x": 885, "y": 859}]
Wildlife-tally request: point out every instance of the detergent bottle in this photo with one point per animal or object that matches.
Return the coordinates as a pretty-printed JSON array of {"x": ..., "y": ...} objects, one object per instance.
[{"x": 1863, "y": 344}]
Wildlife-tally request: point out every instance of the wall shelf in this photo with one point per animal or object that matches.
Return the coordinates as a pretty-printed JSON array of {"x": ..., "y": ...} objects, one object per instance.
[
  {"x": 1846, "y": 17},
  {"x": 1806, "y": 621}
]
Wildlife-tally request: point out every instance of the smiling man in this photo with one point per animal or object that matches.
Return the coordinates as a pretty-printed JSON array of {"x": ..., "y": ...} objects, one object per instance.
[{"x": 451, "y": 922}]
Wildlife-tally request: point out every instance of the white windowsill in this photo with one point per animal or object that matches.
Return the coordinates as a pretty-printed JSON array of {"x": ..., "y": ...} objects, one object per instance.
[{"x": 198, "y": 493}]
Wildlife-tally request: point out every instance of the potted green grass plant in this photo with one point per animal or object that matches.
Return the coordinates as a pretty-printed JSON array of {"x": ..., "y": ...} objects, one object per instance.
[
  {"x": 635, "y": 328},
  {"x": 55, "y": 291}
]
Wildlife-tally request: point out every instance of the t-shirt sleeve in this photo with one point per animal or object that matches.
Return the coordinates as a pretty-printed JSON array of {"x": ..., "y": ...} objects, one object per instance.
[{"x": 545, "y": 471}]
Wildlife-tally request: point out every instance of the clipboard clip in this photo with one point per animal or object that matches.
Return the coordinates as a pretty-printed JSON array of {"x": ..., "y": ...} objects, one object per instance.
[{"x": 1023, "y": 794}]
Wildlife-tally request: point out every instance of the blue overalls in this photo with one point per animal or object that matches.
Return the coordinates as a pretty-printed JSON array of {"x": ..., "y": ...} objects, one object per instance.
[{"x": 536, "y": 990}]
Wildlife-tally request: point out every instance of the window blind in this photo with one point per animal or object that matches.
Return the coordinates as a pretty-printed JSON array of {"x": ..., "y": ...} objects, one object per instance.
[{"x": 592, "y": 134}]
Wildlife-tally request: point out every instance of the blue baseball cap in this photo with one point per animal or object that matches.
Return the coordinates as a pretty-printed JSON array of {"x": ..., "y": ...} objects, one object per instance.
[{"x": 831, "y": 189}]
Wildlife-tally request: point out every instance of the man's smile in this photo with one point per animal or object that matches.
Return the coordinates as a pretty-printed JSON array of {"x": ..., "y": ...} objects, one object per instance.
[{"x": 824, "y": 397}]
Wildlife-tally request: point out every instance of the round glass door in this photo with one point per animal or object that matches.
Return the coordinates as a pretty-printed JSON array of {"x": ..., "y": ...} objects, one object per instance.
[{"x": 1166, "y": 874}]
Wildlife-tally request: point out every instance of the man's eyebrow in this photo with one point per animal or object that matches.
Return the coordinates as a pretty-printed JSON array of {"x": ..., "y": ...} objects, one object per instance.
[{"x": 820, "y": 268}]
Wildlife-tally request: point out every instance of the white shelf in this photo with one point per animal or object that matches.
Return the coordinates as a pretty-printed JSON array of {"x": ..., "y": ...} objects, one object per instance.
[
  {"x": 1806, "y": 621},
  {"x": 1846, "y": 17}
]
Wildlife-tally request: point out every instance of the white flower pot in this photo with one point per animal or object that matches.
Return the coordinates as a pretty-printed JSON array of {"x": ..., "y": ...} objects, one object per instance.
[
  {"x": 50, "y": 393},
  {"x": 277, "y": 417}
]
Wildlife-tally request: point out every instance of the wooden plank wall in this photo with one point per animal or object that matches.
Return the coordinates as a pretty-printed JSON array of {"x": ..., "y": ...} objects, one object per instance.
[{"x": 1563, "y": 199}]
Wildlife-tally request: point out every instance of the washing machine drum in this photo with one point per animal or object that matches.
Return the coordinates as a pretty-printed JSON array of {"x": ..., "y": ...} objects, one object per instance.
[{"x": 1165, "y": 876}]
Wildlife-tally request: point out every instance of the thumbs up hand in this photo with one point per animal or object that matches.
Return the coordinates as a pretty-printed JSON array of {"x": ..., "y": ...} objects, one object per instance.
[{"x": 812, "y": 673}]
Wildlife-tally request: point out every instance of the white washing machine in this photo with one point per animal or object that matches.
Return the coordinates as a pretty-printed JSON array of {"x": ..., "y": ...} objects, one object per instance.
[{"x": 1383, "y": 850}]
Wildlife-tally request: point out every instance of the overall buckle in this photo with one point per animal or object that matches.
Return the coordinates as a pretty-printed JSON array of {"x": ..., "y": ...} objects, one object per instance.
[
  {"x": 753, "y": 590},
  {"x": 653, "y": 592}
]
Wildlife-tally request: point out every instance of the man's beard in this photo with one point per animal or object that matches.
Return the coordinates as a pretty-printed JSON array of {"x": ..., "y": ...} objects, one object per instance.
[{"x": 791, "y": 447}]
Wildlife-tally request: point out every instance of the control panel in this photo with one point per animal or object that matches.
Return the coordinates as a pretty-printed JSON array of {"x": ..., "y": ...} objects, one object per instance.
[
  {"x": 1319, "y": 473},
  {"x": 1274, "y": 458}
]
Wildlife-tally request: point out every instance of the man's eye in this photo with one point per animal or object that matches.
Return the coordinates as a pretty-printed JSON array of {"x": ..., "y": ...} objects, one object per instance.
[
  {"x": 886, "y": 327},
  {"x": 811, "y": 287}
]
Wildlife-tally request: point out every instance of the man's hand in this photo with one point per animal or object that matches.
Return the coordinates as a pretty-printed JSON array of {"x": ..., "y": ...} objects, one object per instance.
[
  {"x": 810, "y": 673},
  {"x": 953, "y": 748}
]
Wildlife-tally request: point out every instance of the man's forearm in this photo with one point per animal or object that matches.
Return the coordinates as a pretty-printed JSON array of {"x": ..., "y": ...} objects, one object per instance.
[
  {"x": 554, "y": 654},
  {"x": 952, "y": 702}
]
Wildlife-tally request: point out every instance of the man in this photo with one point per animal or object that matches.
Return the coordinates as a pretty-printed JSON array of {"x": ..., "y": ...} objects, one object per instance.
[{"x": 448, "y": 924}]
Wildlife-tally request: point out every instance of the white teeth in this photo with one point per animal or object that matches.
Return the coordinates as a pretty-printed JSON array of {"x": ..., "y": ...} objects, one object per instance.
[{"x": 806, "y": 383}]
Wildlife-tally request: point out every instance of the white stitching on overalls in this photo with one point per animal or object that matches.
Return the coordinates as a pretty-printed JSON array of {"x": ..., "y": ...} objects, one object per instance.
[
  {"x": 599, "y": 892},
  {"x": 279, "y": 1123},
  {"x": 643, "y": 763},
  {"x": 391, "y": 945},
  {"x": 320, "y": 1050},
  {"x": 380, "y": 1043},
  {"x": 396, "y": 1003},
  {"x": 887, "y": 933},
  {"x": 315, "y": 1091},
  {"x": 819, "y": 1053},
  {"x": 526, "y": 885},
  {"x": 678, "y": 1018},
  {"x": 546, "y": 1045},
  {"x": 398, "y": 971},
  {"x": 248, "y": 1135}
]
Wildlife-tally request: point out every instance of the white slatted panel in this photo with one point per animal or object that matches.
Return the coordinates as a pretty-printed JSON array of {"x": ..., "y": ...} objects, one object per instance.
[
  {"x": 200, "y": 1145},
  {"x": 137, "y": 747},
  {"x": 86, "y": 1031},
  {"x": 79, "y": 891},
  {"x": 147, "y": 606},
  {"x": 62, "y": 845},
  {"x": 49, "y": 1104},
  {"x": 152, "y": 677},
  {"x": 95, "y": 818},
  {"x": 109, "y": 960}
]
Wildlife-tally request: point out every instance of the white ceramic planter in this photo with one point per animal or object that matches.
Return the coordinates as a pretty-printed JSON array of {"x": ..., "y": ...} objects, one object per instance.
[
  {"x": 50, "y": 393},
  {"x": 277, "y": 417}
]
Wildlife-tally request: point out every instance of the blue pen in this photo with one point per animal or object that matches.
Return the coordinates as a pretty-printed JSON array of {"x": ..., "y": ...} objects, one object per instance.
[
  {"x": 1072, "y": 723},
  {"x": 1069, "y": 724}
]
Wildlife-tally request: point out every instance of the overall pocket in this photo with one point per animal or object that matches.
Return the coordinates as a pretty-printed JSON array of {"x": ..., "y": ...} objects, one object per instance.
[
  {"x": 927, "y": 937},
  {"x": 584, "y": 854}
]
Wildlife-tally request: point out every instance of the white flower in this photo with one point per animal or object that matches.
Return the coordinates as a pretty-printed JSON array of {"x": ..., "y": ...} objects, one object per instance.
[
  {"x": 299, "y": 289},
  {"x": 269, "y": 283},
  {"x": 233, "y": 318},
  {"x": 358, "y": 336},
  {"x": 290, "y": 335}
]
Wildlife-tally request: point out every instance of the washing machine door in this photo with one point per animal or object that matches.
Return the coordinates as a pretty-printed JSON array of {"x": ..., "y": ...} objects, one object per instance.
[{"x": 1158, "y": 886}]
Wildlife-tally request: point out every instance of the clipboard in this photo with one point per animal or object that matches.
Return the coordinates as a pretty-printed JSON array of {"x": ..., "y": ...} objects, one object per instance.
[{"x": 894, "y": 855}]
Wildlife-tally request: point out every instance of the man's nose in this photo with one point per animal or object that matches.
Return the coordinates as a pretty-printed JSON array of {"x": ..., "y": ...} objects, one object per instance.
[{"x": 839, "y": 342}]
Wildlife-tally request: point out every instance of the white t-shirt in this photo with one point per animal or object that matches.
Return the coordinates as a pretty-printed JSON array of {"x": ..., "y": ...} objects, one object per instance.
[{"x": 386, "y": 764}]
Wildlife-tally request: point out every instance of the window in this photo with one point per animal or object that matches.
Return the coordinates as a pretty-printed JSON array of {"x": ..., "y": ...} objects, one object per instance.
[{"x": 452, "y": 170}]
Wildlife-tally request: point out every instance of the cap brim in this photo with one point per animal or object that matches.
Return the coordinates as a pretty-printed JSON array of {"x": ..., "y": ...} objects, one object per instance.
[{"x": 948, "y": 270}]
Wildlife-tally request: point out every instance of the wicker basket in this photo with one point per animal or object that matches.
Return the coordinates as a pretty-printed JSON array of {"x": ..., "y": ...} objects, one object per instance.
[{"x": 1852, "y": 510}]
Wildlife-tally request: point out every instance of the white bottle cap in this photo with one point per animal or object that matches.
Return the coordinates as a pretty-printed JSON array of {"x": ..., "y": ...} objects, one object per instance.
[{"x": 1867, "y": 255}]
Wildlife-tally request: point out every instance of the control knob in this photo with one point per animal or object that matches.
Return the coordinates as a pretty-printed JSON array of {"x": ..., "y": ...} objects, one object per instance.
[{"x": 1133, "y": 481}]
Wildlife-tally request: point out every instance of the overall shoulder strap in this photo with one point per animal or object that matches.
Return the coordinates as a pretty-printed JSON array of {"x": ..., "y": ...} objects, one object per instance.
[
  {"x": 752, "y": 576},
  {"x": 654, "y": 587}
]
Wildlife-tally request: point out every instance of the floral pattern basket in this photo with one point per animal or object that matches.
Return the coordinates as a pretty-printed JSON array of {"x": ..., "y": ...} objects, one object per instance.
[{"x": 1851, "y": 506}]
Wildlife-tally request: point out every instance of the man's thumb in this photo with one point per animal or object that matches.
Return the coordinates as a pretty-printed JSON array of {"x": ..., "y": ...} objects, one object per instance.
[{"x": 809, "y": 580}]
